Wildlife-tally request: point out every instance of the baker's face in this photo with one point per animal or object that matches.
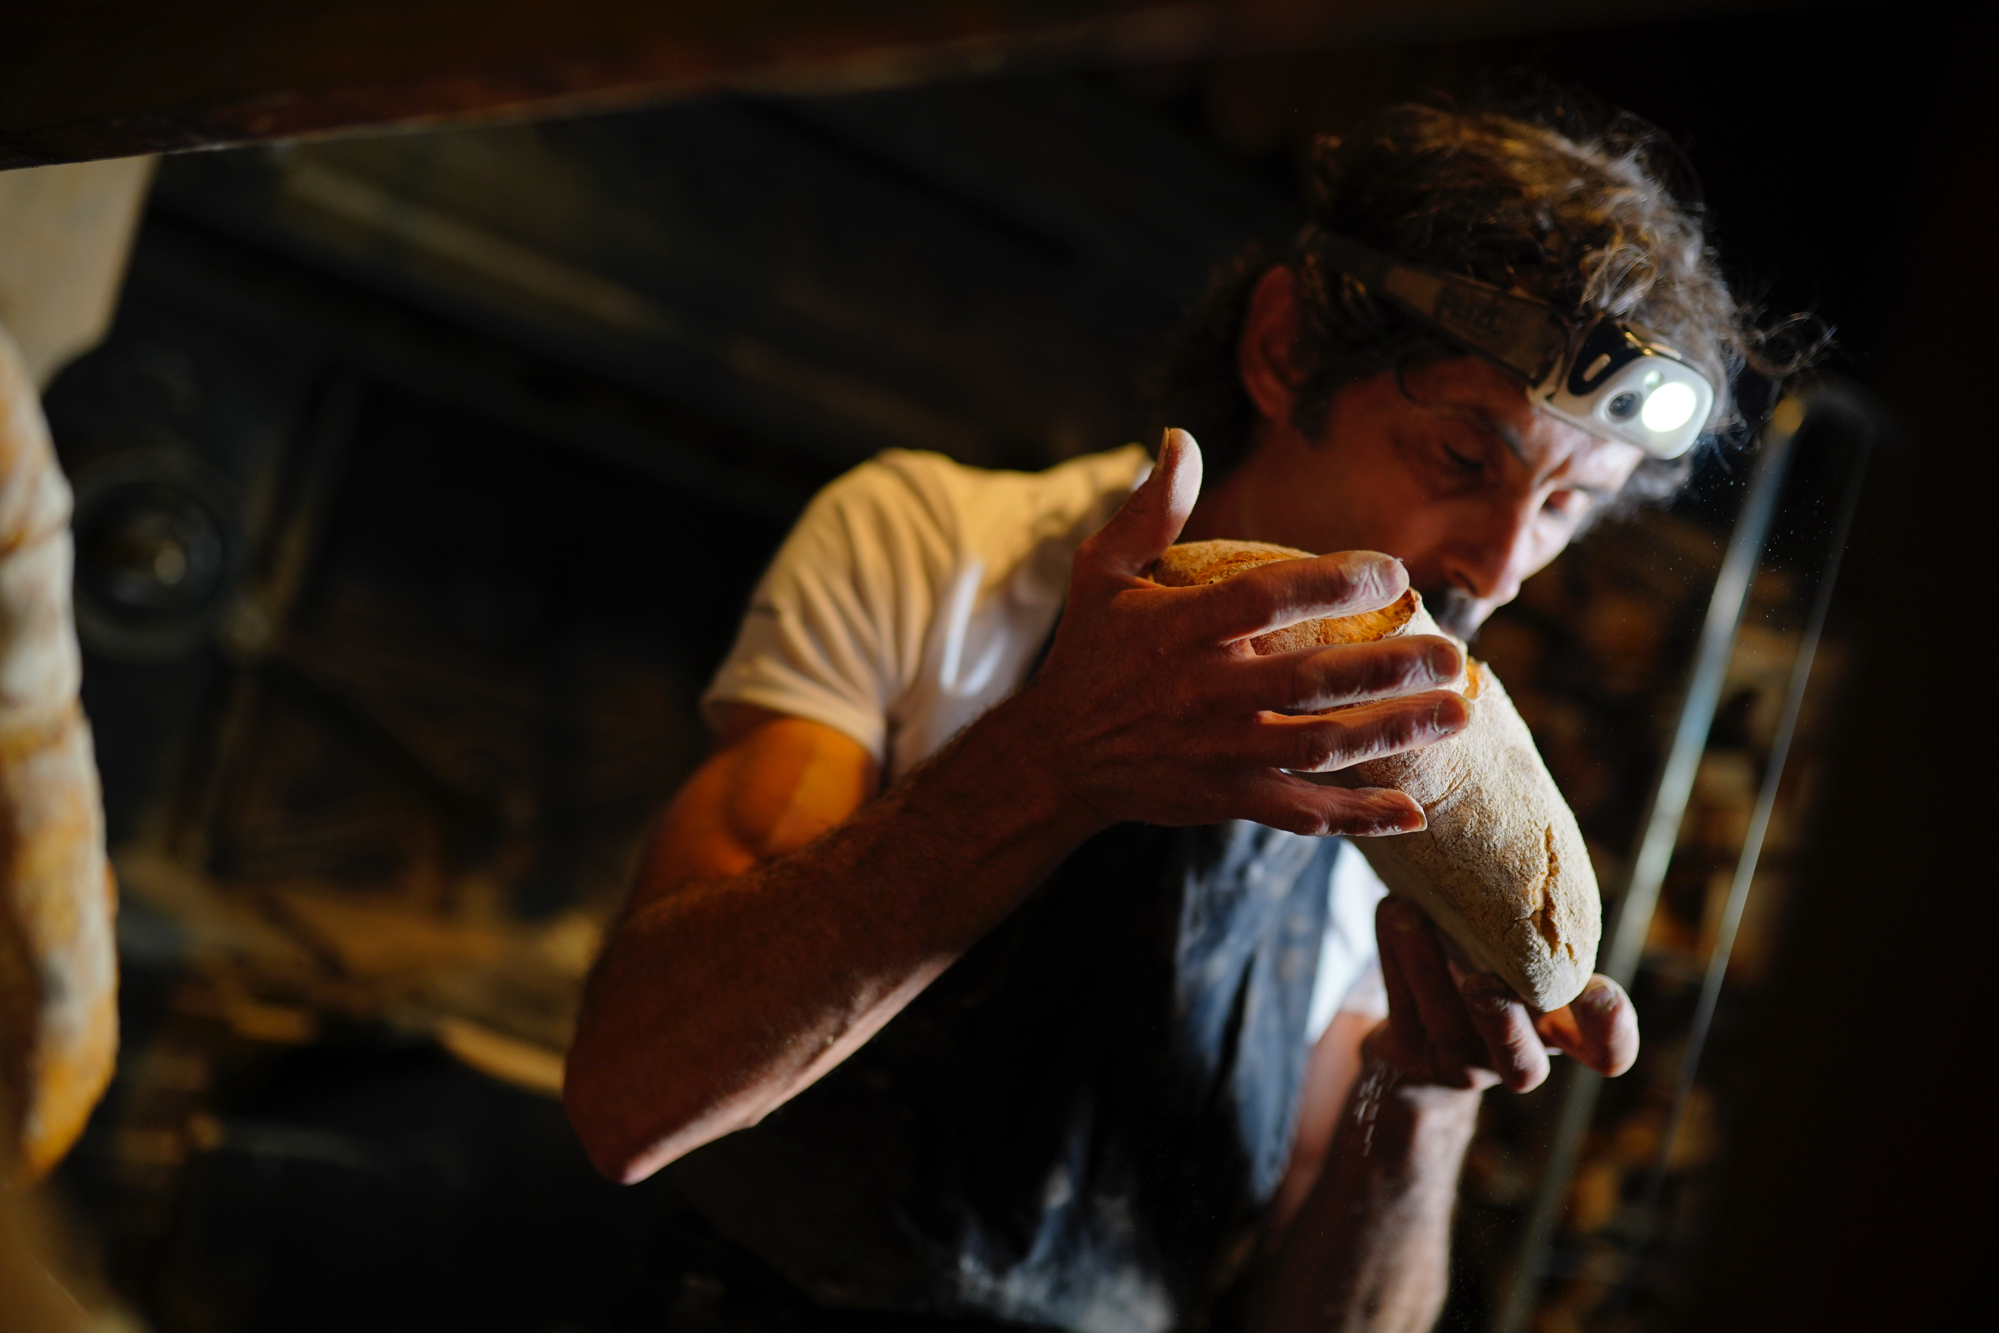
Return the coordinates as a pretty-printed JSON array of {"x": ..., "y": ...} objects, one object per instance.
[{"x": 1453, "y": 471}]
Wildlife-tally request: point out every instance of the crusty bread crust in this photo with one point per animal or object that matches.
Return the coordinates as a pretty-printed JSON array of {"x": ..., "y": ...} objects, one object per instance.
[
  {"x": 1502, "y": 866},
  {"x": 58, "y": 962}
]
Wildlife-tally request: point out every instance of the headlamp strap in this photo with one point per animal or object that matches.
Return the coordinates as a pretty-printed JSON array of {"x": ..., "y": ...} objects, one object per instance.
[{"x": 1526, "y": 336}]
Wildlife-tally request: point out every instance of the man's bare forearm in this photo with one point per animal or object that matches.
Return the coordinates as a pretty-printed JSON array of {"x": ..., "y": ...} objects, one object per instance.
[
  {"x": 1370, "y": 1249},
  {"x": 718, "y": 1001}
]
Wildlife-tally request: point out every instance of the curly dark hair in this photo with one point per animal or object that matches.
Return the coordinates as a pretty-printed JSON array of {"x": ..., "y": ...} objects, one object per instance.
[{"x": 1581, "y": 218}]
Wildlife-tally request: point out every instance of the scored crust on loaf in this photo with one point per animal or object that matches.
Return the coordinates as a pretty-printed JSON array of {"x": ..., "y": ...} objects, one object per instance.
[
  {"x": 1502, "y": 867},
  {"x": 1196, "y": 563}
]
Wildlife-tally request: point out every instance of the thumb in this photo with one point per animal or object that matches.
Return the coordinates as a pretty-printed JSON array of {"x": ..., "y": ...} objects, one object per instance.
[{"x": 1152, "y": 518}]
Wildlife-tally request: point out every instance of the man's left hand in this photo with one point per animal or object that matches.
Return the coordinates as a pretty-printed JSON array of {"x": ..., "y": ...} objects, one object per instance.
[{"x": 1456, "y": 1028}]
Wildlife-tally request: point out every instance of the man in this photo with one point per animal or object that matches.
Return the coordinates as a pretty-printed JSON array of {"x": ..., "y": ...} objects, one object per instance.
[{"x": 1040, "y": 959}]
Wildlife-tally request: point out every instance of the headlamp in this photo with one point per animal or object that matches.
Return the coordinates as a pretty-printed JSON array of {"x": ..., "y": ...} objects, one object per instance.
[{"x": 1612, "y": 379}]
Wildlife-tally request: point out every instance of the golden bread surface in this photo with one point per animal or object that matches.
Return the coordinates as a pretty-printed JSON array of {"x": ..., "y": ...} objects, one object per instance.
[
  {"x": 58, "y": 960},
  {"x": 1502, "y": 867}
]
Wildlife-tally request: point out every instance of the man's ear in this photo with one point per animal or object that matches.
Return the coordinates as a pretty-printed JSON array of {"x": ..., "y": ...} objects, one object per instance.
[{"x": 1269, "y": 332}]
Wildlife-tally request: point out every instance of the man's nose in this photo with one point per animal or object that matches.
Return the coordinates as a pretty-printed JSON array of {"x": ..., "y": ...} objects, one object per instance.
[{"x": 1495, "y": 553}]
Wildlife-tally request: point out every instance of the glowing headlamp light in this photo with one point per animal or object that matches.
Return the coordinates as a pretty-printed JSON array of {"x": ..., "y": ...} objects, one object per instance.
[{"x": 1614, "y": 380}]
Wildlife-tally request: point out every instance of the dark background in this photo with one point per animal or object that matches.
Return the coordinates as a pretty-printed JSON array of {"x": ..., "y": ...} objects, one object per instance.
[{"x": 509, "y": 418}]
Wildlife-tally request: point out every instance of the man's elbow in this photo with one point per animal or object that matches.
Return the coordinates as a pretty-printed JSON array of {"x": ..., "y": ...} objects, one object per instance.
[
  {"x": 602, "y": 1120},
  {"x": 625, "y": 1136},
  {"x": 599, "y": 1144}
]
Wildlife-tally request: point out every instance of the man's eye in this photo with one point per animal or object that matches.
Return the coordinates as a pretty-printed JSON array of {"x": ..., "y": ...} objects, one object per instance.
[{"x": 1464, "y": 461}]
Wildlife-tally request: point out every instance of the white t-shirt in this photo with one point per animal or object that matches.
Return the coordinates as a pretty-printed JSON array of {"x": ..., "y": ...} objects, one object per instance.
[{"x": 916, "y": 592}]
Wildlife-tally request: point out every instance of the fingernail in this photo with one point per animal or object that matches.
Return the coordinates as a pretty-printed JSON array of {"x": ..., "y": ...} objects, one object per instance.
[
  {"x": 1599, "y": 996},
  {"x": 1382, "y": 574},
  {"x": 1443, "y": 662},
  {"x": 1489, "y": 998},
  {"x": 1405, "y": 918},
  {"x": 1450, "y": 715}
]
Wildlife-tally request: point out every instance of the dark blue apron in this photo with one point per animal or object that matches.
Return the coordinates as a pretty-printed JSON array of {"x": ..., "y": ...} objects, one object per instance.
[{"x": 1080, "y": 1123}]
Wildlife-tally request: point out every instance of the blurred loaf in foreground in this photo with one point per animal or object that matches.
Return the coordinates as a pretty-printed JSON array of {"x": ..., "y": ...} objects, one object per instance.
[
  {"x": 58, "y": 959},
  {"x": 1501, "y": 867}
]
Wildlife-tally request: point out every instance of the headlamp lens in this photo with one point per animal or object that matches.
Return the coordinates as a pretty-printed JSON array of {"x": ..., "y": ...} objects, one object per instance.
[{"x": 1669, "y": 407}]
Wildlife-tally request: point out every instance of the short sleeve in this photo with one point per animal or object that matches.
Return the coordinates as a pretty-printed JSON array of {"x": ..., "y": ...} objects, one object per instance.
[
  {"x": 835, "y": 628},
  {"x": 1349, "y": 976}
]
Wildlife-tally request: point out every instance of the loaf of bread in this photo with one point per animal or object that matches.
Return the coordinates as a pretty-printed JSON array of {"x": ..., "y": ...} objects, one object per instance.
[
  {"x": 58, "y": 961},
  {"x": 1501, "y": 867}
]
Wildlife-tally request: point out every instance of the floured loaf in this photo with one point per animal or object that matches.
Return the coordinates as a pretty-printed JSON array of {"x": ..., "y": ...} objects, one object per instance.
[
  {"x": 58, "y": 961},
  {"x": 1502, "y": 866}
]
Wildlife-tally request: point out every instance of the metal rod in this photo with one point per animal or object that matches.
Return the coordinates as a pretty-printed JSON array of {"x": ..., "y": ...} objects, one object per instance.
[
  {"x": 1665, "y": 809},
  {"x": 1633, "y": 921},
  {"x": 1745, "y": 866}
]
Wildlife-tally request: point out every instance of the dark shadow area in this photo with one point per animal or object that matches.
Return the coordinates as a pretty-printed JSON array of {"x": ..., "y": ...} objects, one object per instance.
[{"x": 471, "y": 446}]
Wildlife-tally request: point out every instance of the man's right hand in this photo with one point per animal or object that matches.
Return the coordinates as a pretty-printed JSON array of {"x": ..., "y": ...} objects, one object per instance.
[
  {"x": 1153, "y": 707},
  {"x": 782, "y": 916}
]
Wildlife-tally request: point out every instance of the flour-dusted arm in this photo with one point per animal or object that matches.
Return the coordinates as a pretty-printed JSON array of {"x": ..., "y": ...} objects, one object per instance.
[{"x": 58, "y": 961}]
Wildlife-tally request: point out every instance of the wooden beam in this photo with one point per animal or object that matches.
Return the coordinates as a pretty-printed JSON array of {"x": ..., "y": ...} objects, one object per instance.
[{"x": 86, "y": 79}]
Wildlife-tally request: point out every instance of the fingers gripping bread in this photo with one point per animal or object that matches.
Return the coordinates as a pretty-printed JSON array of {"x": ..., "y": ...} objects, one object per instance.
[
  {"x": 58, "y": 965},
  {"x": 1502, "y": 866}
]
